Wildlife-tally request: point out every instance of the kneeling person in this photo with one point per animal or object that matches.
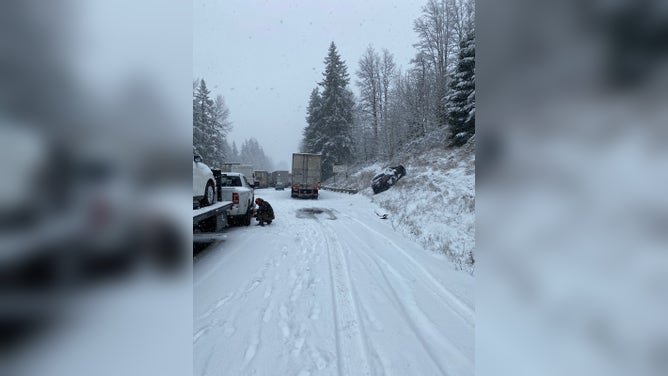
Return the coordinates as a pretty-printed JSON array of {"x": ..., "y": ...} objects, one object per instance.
[{"x": 265, "y": 213}]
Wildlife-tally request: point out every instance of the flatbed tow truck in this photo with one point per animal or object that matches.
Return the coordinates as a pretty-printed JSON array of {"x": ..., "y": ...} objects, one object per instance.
[{"x": 209, "y": 221}]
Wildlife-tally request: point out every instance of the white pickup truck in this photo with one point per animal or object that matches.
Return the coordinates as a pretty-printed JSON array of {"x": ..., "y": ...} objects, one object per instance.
[{"x": 235, "y": 187}]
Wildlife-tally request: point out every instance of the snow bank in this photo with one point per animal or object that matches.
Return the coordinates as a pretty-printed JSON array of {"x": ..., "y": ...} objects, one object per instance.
[{"x": 434, "y": 203}]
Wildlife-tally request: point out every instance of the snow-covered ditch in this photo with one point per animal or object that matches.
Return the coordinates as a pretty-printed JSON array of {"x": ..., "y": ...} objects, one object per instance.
[{"x": 434, "y": 204}]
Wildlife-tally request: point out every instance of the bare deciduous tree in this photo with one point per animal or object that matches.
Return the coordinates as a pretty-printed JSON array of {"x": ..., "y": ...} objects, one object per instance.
[
  {"x": 376, "y": 74},
  {"x": 369, "y": 83},
  {"x": 440, "y": 29}
]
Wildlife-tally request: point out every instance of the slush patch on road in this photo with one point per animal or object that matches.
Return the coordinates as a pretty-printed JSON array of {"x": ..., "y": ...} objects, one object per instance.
[{"x": 313, "y": 212}]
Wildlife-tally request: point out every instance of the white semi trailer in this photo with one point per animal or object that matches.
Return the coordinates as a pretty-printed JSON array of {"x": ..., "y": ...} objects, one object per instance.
[{"x": 306, "y": 173}]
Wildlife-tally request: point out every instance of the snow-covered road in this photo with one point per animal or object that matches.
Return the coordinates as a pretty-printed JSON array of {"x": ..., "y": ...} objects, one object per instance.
[{"x": 329, "y": 289}]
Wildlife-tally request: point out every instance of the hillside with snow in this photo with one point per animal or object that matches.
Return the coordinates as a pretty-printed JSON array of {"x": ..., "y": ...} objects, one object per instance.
[{"x": 434, "y": 204}]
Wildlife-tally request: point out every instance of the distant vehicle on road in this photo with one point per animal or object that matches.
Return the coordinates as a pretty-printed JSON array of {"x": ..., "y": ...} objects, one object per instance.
[
  {"x": 280, "y": 176},
  {"x": 261, "y": 179},
  {"x": 280, "y": 186},
  {"x": 247, "y": 170}
]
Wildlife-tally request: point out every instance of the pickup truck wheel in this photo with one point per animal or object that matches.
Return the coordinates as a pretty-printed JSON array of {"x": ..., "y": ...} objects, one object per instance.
[
  {"x": 247, "y": 217},
  {"x": 209, "y": 195}
]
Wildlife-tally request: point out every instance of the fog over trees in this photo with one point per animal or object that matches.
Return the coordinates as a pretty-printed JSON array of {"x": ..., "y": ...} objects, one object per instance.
[{"x": 211, "y": 127}]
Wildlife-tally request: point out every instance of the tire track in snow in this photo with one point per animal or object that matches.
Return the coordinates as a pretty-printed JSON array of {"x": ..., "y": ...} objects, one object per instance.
[
  {"x": 220, "y": 303},
  {"x": 424, "y": 329},
  {"x": 418, "y": 329},
  {"x": 419, "y": 321},
  {"x": 301, "y": 283},
  {"x": 351, "y": 342},
  {"x": 457, "y": 305},
  {"x": 379, "y": 367}
]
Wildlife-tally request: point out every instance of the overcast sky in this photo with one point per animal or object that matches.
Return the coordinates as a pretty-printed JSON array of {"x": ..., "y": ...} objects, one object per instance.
[{"x": 265, "y": 57}]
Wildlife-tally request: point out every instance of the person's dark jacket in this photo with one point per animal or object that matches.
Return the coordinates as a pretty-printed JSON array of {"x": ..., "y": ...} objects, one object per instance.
[{"x": 265, "y": 211}]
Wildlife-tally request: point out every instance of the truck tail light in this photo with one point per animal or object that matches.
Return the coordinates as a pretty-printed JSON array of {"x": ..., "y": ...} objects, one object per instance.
[{"x": 235, "y": 198}]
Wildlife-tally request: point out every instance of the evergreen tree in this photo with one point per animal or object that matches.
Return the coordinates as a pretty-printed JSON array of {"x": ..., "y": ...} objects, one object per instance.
[
  {"x": 461, "y": 101},
  {"x": 252, "y": 154},
  {"x": 221, "y": 127},
  {"x": 202, "y": 114},
  {"x": 235, "y": 152},
  {"x": 210, "y": 124},
  {"x": 312, "y": 140},
  {"x": 228, "y": 155},
  {"x": 335, "y": 115}
]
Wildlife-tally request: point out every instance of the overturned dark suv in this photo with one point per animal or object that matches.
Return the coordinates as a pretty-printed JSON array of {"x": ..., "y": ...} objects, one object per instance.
[{"x": 382, "y": 182}]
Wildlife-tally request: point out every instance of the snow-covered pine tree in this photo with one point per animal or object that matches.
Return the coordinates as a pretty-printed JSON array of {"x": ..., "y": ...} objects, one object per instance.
[
  {"x": 235, "y": 153},
  {"x": 312, "y": 140},
  {"x": 461, "y": 101},
  {"x": 202, "y": 111},
  {"x": 336, "y": 113},
  {"x": 228, "y": 154},
  {"x": 221, "y": 126},
  {"x": 210, "y": 125},
  {"x": 197, "y": 129},
  {"x": 253, "y": 154}
]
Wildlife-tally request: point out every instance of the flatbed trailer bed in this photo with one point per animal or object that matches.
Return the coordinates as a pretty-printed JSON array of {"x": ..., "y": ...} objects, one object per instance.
[{"x": 209, "y": 221}]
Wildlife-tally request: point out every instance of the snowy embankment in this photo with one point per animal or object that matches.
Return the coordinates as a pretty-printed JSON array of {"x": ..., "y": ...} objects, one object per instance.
[{"x": 434, "y": 204}]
